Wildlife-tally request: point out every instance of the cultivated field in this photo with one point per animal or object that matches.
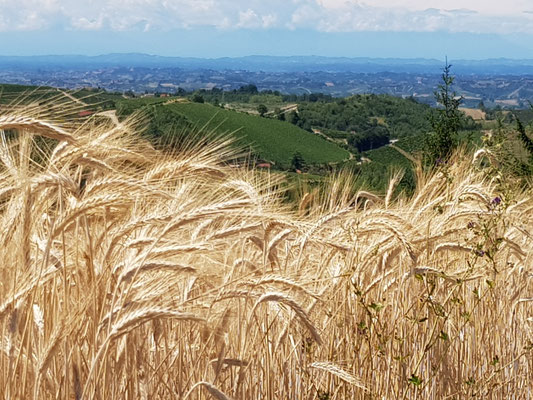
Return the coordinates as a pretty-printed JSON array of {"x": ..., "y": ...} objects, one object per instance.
[
  {"x": 127, "y": 273},
  {"x": 476, "y": 114},
  {"x": 271, "y": 139}
]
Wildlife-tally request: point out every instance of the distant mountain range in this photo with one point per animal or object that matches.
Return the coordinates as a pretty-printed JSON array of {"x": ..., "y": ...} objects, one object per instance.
[{"x": 500, "y": 66}]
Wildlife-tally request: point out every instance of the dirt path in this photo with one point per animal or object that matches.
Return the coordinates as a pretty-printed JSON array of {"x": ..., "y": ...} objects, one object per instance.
[
  {"x": 178, "y": 100},
  {"x": 318, "y": 132},
  {"x": 289, "y": 108},
  {"x": 515, "y": 92},
  {"x": 285, "y": 110}
]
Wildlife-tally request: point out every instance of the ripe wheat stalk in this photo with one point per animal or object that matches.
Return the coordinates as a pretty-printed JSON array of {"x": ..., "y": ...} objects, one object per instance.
[{"x": 132, "y": 273}]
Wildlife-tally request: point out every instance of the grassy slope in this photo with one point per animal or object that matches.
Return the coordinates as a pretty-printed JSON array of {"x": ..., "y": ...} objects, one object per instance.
[
  {"x": 22, "y": 94},
  {"x": 413, "y": 145},
  {"x": 15, "y": 93},
  {"x": 272, "y": 140},
  {"x": 375, "y": 174}
]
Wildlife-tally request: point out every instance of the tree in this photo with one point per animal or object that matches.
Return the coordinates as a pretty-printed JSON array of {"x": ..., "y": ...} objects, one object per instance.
[
  {"x": 297, "y": 161},
  {"x": 197, "y": 98},
  {"x": 369, "y": 139},
  {"x": 294, "y": 118},
  {"x": 527, "y": 143},
  {"x": 447, "y": 121},
  {"x": 251, "y": 89},
  {"x": 262, "y": 110}
]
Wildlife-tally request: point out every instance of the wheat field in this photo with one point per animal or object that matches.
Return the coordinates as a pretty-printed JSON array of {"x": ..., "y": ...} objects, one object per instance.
[{"x": 129, "y": 273}]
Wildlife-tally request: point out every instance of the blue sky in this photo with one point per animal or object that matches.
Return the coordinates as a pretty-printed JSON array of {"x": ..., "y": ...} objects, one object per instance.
[{"x": 472, "y": 29}]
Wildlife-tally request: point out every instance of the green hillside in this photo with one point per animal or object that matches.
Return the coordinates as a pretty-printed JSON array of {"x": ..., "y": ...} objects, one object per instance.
[
  {"x": 270, "y": 139},
  {"x": 95, "y": 99},
  {"x": 10, "y": 94},
  {"x": 383, "y": 161}
]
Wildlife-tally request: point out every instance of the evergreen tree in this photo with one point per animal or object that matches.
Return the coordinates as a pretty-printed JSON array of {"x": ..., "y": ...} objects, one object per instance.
[
  {"x": 447, "y": 121},
  {"x": 297, "y": 161},
  {"x": 524, "y": 138}
]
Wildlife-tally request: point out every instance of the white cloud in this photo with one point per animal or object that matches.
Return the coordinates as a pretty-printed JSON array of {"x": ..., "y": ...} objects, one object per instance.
[
  {"x": 269, "y": 20},
  {"x": 472, "y": 16},
  {"x": 248, "y": 19},
  {"x": 482, "y": 16},
  {"x": 488, "y": 7},
  {"x": 86, "y": 24}
]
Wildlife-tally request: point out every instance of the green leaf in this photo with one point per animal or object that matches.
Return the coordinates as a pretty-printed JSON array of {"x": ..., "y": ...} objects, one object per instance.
[
  {"x": 466, "y": 315},
  {"x": 415, "y": 380},
  {"x": 471, "y": 381},
  {"x": 377, "y": 307}
]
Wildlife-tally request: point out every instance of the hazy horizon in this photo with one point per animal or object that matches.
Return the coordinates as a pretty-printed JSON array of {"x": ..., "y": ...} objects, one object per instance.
[
  {"x": 259, "y": 55},
  {"x": 211, "y": 43},
  {"x": 468, "y": 29}
]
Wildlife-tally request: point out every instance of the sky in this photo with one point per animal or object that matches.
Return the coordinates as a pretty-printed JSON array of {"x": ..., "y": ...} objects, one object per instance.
[{"x": 472, "y": 29}]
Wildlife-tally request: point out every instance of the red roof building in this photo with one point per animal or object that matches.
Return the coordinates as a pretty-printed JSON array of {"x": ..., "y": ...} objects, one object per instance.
[{"x": 85, "y": 113}]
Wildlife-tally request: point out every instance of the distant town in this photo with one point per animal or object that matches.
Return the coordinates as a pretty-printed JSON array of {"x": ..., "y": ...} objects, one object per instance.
[{"x": 478, "y": 83}]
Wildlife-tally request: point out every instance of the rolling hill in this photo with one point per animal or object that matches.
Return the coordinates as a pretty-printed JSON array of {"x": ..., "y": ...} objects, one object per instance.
[{"x": 271, "y": 140}]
